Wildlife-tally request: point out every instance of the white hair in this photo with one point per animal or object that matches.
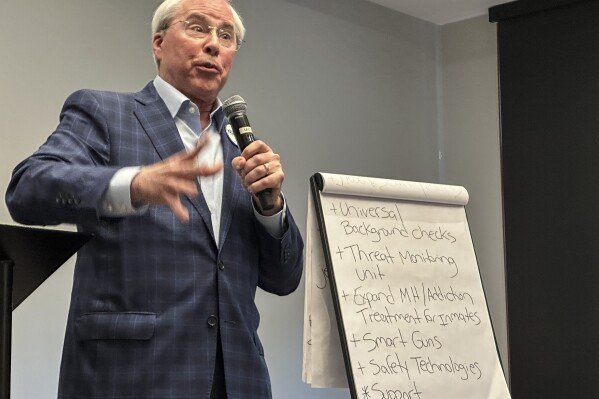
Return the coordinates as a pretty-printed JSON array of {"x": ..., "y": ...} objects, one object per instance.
[{"x": 164, "y": 14}]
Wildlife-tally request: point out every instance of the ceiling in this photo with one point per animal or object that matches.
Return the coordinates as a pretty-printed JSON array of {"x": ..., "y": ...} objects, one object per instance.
[{"x": 441, "y": 12}]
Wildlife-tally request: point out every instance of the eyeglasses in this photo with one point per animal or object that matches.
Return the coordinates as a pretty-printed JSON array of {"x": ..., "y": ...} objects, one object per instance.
[{"x": 201, "y": 30}]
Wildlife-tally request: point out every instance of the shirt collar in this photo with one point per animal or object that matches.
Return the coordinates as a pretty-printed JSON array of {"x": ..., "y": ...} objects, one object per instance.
[{"x": 174, "y": 99}]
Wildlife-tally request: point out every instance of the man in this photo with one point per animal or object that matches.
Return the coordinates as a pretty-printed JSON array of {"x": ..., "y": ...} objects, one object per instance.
[{"x": 163, "y": 295}]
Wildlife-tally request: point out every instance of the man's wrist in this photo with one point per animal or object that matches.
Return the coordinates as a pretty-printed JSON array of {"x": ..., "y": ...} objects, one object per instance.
[
  {"x": 117, "y": 200},
  {"x": 278, "y": 202},
  {"x": 275, "y": 224}
]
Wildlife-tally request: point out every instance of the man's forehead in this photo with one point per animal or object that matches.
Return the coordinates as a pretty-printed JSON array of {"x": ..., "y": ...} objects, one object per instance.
[
  {"x": 196, "y": 14},
  {"x": 217, "y": 9}
]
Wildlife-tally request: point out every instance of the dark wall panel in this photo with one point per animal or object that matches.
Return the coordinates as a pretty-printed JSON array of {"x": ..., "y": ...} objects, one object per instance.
[{"x": 549, "y": 88}]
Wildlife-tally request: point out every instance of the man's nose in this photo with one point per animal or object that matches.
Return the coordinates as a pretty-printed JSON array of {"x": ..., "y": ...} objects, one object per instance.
[{"x": 212, "y": 41}]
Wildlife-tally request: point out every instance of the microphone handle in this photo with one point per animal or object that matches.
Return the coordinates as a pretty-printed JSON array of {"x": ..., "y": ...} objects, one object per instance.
[{"x": 245, "y": 136}]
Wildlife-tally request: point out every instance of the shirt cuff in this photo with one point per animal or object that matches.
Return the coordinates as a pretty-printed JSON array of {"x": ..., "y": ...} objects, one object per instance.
[
  {"x": 116, "y": 201},
  {"x": 275, "y": 224}
]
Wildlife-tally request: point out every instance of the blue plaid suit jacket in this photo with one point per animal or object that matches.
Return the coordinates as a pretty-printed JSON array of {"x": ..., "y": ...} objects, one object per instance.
[{"x": 150, "y": 294}]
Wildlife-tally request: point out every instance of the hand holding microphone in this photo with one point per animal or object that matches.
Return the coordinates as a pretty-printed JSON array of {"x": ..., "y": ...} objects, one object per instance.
[{"x": 258, "y": 166}]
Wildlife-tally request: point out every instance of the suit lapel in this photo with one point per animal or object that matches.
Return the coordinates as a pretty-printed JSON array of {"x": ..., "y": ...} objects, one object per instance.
[
  {"x": 154, "y": 117},
  {"x": 231, "y": 185}
]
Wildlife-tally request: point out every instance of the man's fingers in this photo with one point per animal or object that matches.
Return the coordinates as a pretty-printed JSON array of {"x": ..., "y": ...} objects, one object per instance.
[
  {"x": 189, "y": 188},
  {"x": 179, "y": 210},
  {"x": 165, "y": 182},
  {"x": 254, "y": 148}
]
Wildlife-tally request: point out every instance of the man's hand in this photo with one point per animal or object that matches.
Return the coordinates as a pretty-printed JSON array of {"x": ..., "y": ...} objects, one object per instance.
[
  {"x": 260, "y": 168},
  {"x": 164, "y": 182}
]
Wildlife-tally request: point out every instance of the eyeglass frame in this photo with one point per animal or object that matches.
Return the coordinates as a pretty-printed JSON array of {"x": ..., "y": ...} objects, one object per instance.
[{"x": 210, "y": 30}]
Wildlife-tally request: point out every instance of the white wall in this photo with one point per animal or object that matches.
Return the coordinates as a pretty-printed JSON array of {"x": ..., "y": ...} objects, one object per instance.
[{"x": 342, "y": 86}]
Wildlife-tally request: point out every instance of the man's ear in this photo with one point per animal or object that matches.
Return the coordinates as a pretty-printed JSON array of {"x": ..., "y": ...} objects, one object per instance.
[{"x": 157, "y": 45}]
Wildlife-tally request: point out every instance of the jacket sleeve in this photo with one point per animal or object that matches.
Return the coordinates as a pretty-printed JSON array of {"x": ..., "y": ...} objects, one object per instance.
[
  {"x": 63, "y": 181},
  {"x": 281, "y": 269}
]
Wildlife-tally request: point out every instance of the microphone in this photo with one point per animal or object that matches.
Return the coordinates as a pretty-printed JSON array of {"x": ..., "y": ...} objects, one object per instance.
[{"x": 235, "y": 109}]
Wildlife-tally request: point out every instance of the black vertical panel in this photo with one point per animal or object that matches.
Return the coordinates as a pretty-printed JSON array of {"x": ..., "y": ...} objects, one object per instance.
[{"x": 549, "y": 89}]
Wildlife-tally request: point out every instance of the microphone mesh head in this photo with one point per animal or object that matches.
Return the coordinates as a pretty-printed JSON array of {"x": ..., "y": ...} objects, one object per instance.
[{"x": 233, "y": 105}]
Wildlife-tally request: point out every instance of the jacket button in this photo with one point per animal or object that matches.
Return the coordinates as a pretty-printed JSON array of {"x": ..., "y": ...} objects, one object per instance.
[
  {"x": 212, "y": 321},
  {"x": 221, "y": 265}
]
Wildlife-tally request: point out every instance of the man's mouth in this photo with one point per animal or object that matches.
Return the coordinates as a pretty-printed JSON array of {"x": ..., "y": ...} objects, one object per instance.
[{"x": 209, "y": 66}]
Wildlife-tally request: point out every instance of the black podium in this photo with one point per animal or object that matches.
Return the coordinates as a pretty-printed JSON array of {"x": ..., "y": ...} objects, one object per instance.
[{"x": 28, "y": 257}]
